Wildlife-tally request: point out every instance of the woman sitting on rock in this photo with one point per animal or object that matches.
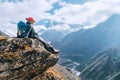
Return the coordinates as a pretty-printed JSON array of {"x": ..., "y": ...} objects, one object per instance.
[{"x": 25, "y": 30}]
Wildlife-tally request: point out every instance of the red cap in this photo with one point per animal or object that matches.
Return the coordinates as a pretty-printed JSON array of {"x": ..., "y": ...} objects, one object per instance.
[{"x": 30, "y": 19}]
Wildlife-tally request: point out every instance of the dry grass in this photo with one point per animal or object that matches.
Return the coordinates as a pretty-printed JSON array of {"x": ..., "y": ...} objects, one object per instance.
[
  {"x": 3, "y": 37},
  {"x": 55, "y": 73}
]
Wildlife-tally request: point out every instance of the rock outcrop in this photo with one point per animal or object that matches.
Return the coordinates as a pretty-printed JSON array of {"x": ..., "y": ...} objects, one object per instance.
[
  {"x": 27, "y": 59},
  {"x": 24, "y": 59}
]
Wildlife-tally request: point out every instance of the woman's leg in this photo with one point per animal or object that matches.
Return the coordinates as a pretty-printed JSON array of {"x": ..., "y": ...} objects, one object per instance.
[{"x": 46, "y": 45}]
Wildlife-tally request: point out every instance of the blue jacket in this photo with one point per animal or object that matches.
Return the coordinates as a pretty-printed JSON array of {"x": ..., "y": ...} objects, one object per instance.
[{"x": 30, "y": 32}]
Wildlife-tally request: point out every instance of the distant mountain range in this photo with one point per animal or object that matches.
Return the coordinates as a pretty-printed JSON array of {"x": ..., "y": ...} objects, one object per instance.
[
  {"x": 54, "y": 37},
  {"x": 2, "y": 34},
  {"x": 56, "y": 31},
  {"x": 88, "y": 42},
  {"x": 80, "y": 46}
]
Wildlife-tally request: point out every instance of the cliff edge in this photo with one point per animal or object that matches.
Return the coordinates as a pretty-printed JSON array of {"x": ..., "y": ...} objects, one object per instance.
[{"x": 24, "y": 59}]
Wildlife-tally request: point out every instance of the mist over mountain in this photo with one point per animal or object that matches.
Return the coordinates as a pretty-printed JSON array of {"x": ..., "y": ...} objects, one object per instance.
[
  {"x": 55, "y": 31},
  {"x": 51, "y": 35},
  {"x": 48, "y": 23}
]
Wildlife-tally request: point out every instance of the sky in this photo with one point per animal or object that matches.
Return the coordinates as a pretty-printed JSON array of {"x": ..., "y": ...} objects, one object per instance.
[{"x": 87, "y": 13}]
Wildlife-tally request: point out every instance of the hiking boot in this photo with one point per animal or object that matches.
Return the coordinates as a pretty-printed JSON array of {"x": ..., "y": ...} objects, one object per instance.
[{"x": 55, "y": 51}]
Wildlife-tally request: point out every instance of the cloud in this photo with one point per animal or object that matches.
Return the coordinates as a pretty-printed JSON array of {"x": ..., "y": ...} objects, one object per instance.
[
  {"x": 14, "y": 12},
  {"x": 63, "y": 27},
  {"x": 20, "y": 10},
  {"x": 88, "y": 14}
]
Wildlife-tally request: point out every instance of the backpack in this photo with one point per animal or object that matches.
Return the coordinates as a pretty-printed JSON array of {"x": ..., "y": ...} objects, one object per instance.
[{"x": 21, "y": 29}]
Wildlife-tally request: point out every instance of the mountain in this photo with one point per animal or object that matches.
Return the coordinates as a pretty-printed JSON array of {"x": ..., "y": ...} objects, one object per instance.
[
  {"x": 104, "y": 66},
  {"x": 52, "y": 35},
  {"x": 87, "y": 42},
  {"x": 2, "y": 34},
  {"x": 55, "y": 31}
]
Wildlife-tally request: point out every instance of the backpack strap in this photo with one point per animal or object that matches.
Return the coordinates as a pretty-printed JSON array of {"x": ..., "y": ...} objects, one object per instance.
[{"x": 28, "y": 32}]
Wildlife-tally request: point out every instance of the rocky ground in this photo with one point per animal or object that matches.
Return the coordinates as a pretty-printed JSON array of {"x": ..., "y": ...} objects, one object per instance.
[{"x": 27, "y": 59}]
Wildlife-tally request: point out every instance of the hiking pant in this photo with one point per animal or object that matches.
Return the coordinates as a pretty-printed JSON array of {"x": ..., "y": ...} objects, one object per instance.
[{"x": 47, "y": 46}]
